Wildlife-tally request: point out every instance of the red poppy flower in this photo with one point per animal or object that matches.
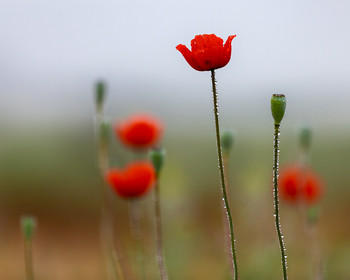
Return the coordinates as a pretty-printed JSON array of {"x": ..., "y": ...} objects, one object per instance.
[
  {"x": 208, "y": 52},
  {"x": 297, "y": 184},
  {"x": 133, "y": 181},
  {"x": 139, "y": 131}
]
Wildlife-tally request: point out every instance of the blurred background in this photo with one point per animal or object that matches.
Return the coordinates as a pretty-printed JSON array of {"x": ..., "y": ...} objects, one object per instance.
[{"x": 53, "y": 52}]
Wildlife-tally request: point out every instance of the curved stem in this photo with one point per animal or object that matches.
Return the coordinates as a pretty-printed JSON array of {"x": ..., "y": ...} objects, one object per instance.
[
  {"x": 225, "y": 221},
  {"x": 222, "y": 175},
  {"x": 159, "y": 234},
  {"x": 276, "y": 201}
]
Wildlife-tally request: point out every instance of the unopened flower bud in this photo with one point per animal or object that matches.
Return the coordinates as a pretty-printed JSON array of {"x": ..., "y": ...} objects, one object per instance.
[
  {"x": 227, "y": 138},
  {"x": 100, "y": 93},
  {"x": 305, "y": 137},
  {"x": 278, "y": 107},
  {"x": 28, "y": 225},
  {"x": 157, "y": 158}
]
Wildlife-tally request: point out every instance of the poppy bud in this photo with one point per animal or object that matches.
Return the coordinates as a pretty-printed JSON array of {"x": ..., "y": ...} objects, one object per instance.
[
  {"x": 100, "y": 93},
  {"x": 157, "y": 159},
  {"x": 305, "y": 137},
  {"x": 278, "y": 107},
  {"x": 227, "y": 140},
  {"x": 28, "y": 225}
]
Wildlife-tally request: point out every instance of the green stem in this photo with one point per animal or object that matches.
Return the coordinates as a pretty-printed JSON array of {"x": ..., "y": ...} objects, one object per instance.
[
  {"x": 159, "y": 234},
  {"x": 113, "y": 264},
  {"x": 28, "y": 260},
  {"x": 225, "y": 221},
  {"x": 222, "y": 175},
  {"x": 276, "y": 201},
  {"x": 136, "y": 234}
]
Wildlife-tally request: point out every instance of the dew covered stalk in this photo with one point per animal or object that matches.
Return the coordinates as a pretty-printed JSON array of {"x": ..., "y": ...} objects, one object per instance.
[
  {"x": 276, "y": 200},
  {"x": 222, "y": 175}
]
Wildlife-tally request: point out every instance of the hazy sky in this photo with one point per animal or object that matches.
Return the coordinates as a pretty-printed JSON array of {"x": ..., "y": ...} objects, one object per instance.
[{"x": 51, "y": 53}]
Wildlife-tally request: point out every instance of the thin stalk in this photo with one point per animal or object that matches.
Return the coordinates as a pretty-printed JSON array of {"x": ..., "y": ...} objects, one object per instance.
[
  {"x": 222, "y": 175},
  {"x": 114, "y": 264},
  {"x": 159, "y": 234},
  {"x": 28, "y": 260},
  {"x": 136, "y": 234},
  {"x": 225, "y": 221},
  {"x": 276, "y": 200},
  {"x": 226, "y": 162}
]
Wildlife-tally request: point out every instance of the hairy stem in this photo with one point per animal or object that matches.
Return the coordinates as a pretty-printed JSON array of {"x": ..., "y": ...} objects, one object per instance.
[
  {"x": 225, "y": 220},
  {"x": 222, "y": 175},
  {"x": 276, "y": 200}
]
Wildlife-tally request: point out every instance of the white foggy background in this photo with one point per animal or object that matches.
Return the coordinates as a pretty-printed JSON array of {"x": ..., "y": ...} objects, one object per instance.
[{"x": 52, "y": 52}]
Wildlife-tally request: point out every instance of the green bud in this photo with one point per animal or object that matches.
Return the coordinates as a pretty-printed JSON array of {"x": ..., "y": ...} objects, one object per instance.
[
  {"x": 157, "y": 158},
  {"x": 305, "y": 137},
  {"x": 278, "y": 107},
  {"x": 100, "y": 93},
  {"x": 28, "y": 225},
  {"x": 227, "y": 138}
]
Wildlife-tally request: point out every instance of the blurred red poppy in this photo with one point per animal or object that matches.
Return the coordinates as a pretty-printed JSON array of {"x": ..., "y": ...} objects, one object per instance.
[
  {"x": 133, "y": 181},
  {"x": 139, "y": 131},
  {"x": 208, "y": 52},
  {"x": 297, "y": 184}
]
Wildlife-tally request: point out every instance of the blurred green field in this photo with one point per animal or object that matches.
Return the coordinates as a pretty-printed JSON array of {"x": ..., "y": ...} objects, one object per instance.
[{"x": 52, "y": 174}]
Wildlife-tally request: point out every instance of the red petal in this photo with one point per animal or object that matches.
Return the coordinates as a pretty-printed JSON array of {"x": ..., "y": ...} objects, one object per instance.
[
  {"x": 188, "y": 55},
  {"x": 208, "y": 52},
  {"x": 139, "y": 131}
]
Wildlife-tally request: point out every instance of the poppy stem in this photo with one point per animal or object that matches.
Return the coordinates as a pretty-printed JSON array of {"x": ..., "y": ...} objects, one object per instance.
[
  {"x": 311, "y": 229},
  {"x": 28, "y": 256},
  {"x": 222, "y": 174},
  {"x": 159, "y": 233},
  {"x": 113, "y": 264},
  {"x": 136, "y": 234},
  {"x": 276, "y": 200},
  {"x": 225, "y": 221}
]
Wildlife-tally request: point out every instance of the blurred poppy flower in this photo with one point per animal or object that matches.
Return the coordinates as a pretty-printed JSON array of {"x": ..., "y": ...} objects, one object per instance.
[
  {"x": 297, "y": 184},
  {"x": 133, "y": 181},
  {"x": 208, "y": 52},
  {"x": 139, "y": 131}
]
